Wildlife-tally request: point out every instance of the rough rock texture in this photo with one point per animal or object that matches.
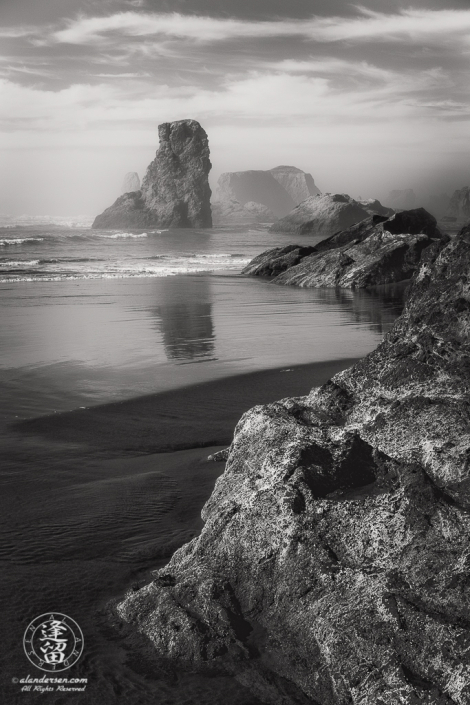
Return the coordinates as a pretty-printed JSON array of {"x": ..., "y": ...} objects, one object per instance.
[
  {"x": 322, "y": 215},
  {"x": 175, "y": 190},
  {"x": 296, "y": 182},
  {"x": 334, "y": 564},
  {"x": 459, "y": 204},
  {"x": 226, "y": 212},
  {"x": 403, "y": 199},
  {"x": 375, "y": 251},
  {"x": 131, "y": 182}
]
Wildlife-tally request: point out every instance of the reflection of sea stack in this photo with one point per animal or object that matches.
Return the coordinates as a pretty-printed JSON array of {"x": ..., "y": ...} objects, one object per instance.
[
  {"x": 131, "y": 182},
  {"x": 185, "y": 313},
  {"x": 175, "y": 190}
]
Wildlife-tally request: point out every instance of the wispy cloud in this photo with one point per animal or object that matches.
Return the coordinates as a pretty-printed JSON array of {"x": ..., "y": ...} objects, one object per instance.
[{"x": 424, "y": 25}]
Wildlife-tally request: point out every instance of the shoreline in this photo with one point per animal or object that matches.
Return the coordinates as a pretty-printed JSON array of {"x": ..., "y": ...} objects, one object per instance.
[{"x": 188, "y": 417}]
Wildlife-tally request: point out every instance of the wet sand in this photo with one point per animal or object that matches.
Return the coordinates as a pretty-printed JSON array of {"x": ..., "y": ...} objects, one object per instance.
[{"x": 113, "y": 492}]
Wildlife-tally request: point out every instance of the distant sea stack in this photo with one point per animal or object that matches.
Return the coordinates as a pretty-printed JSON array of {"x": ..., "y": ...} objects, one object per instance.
[
  {"x": 278, "y": 190},
  {"x": 459, "y": 204},
  {"x": 378, "y": 250},
  {"x": 175, "y": 190},
  {"x": 324, "y": 215},
  {"x": 402, "y": 199},
  {"x": 333, "y": 567},
  {"x": 131, "y": 182}
]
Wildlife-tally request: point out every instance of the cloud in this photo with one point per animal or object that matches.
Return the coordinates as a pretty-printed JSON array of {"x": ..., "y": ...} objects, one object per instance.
[{"x": 433, "y": 26}]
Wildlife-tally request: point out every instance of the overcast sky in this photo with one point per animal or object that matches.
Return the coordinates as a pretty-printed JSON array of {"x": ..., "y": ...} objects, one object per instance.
[{"x": 367, "y": 97}]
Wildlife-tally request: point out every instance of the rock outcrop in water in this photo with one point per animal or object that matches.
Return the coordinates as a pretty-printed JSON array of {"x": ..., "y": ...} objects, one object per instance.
[
  {"x": 131, "y": 182},
  {"x": 175, "y": 190},
  {"x": 334, "y": 563},
  {"x": 278, "y": 190},
  {"x": 459, "y": 204},
  {"x": 377, "y": 250},
  {"x": 322, "y": 215}
]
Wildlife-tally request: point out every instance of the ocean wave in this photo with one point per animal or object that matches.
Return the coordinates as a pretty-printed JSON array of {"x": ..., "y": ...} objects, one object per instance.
[
  {"x": 116, "y": 236},
  {"x": 126, "y": 272},
  {"x": 19, "y": 263},
  {"x": 20, "y": 240}
]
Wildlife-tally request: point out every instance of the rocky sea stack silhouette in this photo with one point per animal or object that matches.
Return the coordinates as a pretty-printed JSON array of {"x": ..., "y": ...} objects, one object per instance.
[
  {"x": 175, "y": 191},
  {"x": 377, "y": 250},
  {"x": 333, "y": 566}
]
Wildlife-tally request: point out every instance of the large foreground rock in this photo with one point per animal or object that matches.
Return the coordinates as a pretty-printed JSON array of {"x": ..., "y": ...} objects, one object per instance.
[
  {"x": 324, "y": 215},
  {"x": 377, "y": 250},
  {"x": 175, "y": 190},
  {"x": 334, "y": 563}
]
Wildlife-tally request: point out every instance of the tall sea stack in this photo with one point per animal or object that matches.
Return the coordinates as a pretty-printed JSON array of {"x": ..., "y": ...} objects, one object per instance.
[{"x": 175, "y": 190}]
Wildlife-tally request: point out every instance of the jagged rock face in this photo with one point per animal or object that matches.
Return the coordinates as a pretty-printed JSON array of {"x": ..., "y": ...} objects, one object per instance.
[
  {"x": 375, "y": 251},
  {"x": 402, "y": 199},
  {"x": 226, "y": 212},
  {"x": 334, "y": 563},
  {"x": 175, "y": 190},
  {"x": 131, "y": 182},
  {"x": 459, "y": 204},
  {"x": 322, "y": 215},
  {"x": 296, "y": 182}
]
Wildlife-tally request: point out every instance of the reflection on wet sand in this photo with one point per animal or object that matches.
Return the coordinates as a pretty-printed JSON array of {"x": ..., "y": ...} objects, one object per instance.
[
  {"x": 184, "y": 314},
  {"x": 378, "y": 307}
]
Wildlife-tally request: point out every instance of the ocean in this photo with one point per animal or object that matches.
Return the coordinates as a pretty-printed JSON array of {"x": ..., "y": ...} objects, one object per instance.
[{"x": 126, "y": 357}]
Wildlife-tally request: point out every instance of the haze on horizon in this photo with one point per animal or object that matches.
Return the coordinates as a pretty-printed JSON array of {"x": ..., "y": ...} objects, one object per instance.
[{"x": 366, "y": 97}]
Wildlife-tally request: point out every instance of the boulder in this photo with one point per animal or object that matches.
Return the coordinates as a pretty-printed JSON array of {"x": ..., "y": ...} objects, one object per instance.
[
  {"x": 322, "y": 215},
  {"x": 228, "y": 212},
  {"x": 375, "y": 251},
  {"x": 333, "y": 566},
  {"x": 131, "y": 182},
  {"x": 175, "y": 190}
]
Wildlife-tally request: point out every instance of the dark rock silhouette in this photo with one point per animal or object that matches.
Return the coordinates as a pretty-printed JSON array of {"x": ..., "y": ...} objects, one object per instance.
[
  {"x": 175, "y": 190},
  {"x": 332, "y": 567},
  {"x": 324, "y": 215},
  {"x": 131, "y": 182},
  {"x": 375, "y": 251}
]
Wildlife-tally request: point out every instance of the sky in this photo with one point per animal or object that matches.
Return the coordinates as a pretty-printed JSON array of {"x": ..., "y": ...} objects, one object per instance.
[{"x": 366, "y": 97}]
